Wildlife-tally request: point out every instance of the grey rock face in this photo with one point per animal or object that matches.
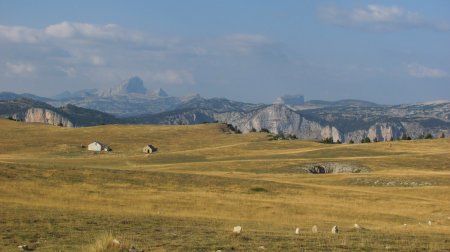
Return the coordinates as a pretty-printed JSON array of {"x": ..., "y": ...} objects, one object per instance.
[
  {"x": 42, "y": 115},
  {"x": 345, "y": 123},
  {"x": 134, "y": 85},
  {"x": 279, "y": 119}
]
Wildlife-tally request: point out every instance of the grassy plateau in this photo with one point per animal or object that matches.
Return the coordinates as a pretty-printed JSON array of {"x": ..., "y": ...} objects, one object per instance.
[{"x": 203, "y": 181}]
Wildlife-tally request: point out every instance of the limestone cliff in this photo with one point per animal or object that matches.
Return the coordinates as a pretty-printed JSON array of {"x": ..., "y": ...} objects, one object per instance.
[
  {"x": 42, "y": 115},
  {"x": 279, "y": 119}
]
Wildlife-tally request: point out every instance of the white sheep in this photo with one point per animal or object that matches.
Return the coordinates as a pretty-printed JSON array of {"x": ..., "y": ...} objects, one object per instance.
[{"x": 335, "y": 230}]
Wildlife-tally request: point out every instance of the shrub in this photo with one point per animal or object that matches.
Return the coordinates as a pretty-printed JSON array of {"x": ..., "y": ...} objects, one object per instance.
[
  {"x": 365, "y": 140},
  {"x": 283, "y": 137},
  {"x": 258, "y": 189},
  {"x": 291, "y": 137},
  {"x": 405, "y": 137},
  {"x": 442, "y": 135},
  {"x": 233, "y": 128},
  {"x": 429, "y": 136},
  {"x": 264, "y": 130},
  {"x": 328, "y": 140},
  {"x": 351, "y": 141}
]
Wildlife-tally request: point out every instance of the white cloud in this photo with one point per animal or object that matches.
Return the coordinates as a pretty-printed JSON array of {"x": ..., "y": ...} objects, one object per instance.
[
  {"x": 173, "y": 77},
  {"x": 379, "y": 18},
  {"x": 389, "y": 14},
  {"x": 420, "y": 71},
  {"x": 67, "y": 30},
  {"x": 71, "y": 31},
  {"x": 20, "y": 68},
  {"x": 246, "y": 43},
  {"x": 97, "y": 60},
  {"x": 70, "y": 72},
  {"x": 20, "y": 34},
  {"x": 61, "y": 30}
]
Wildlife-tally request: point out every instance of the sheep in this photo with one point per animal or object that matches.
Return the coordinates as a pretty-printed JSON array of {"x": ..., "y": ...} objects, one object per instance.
[{"x": 335, "y": 230}]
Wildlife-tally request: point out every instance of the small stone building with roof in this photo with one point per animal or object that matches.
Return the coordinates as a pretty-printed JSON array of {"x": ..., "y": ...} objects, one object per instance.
[
  {"x": 97, "y": 146},
  {"x": 149, "y": 149}
]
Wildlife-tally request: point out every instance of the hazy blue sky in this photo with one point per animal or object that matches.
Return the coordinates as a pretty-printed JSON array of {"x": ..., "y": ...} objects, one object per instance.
[{"x": 382, "y": 51}]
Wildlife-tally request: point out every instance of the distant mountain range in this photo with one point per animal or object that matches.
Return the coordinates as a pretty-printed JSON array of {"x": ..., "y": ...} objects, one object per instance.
[{"x": 131, "y": 103}]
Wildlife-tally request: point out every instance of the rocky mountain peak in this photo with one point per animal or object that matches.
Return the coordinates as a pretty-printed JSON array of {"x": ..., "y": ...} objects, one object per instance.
[
  {"x": 159, "y": 93},
  {"x": 134, "y": 85}
]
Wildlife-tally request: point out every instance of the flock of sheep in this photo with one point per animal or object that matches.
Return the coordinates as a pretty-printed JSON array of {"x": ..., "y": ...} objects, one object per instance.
[{"x": 334, "y": 230}]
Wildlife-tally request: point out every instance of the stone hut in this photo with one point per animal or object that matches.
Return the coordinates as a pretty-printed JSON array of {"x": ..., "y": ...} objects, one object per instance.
[
  {"x": 97, "y": 146},
  {"x": 149, "y": 149}
]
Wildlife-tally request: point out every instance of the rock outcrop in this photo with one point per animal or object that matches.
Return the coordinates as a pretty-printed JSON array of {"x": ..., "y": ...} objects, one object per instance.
[
  {"x": 278, "y": 119},
  {"x": 41, "y": 115}
]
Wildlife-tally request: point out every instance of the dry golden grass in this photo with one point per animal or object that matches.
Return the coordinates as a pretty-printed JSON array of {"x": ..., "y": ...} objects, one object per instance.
[
  {"x": 107, "y": 242},
  {"x": 202, "y": 182}
]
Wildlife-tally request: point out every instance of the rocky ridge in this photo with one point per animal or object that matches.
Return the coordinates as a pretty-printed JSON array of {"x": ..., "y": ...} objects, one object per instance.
[{"x": 131, "y": 102}]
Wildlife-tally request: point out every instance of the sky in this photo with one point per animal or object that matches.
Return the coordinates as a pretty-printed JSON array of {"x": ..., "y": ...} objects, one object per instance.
[{"x": 388, "y": 52}]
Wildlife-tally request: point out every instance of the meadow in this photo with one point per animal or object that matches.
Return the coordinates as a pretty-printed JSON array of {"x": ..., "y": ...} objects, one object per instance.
[{"x": 204, "y": 180}]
